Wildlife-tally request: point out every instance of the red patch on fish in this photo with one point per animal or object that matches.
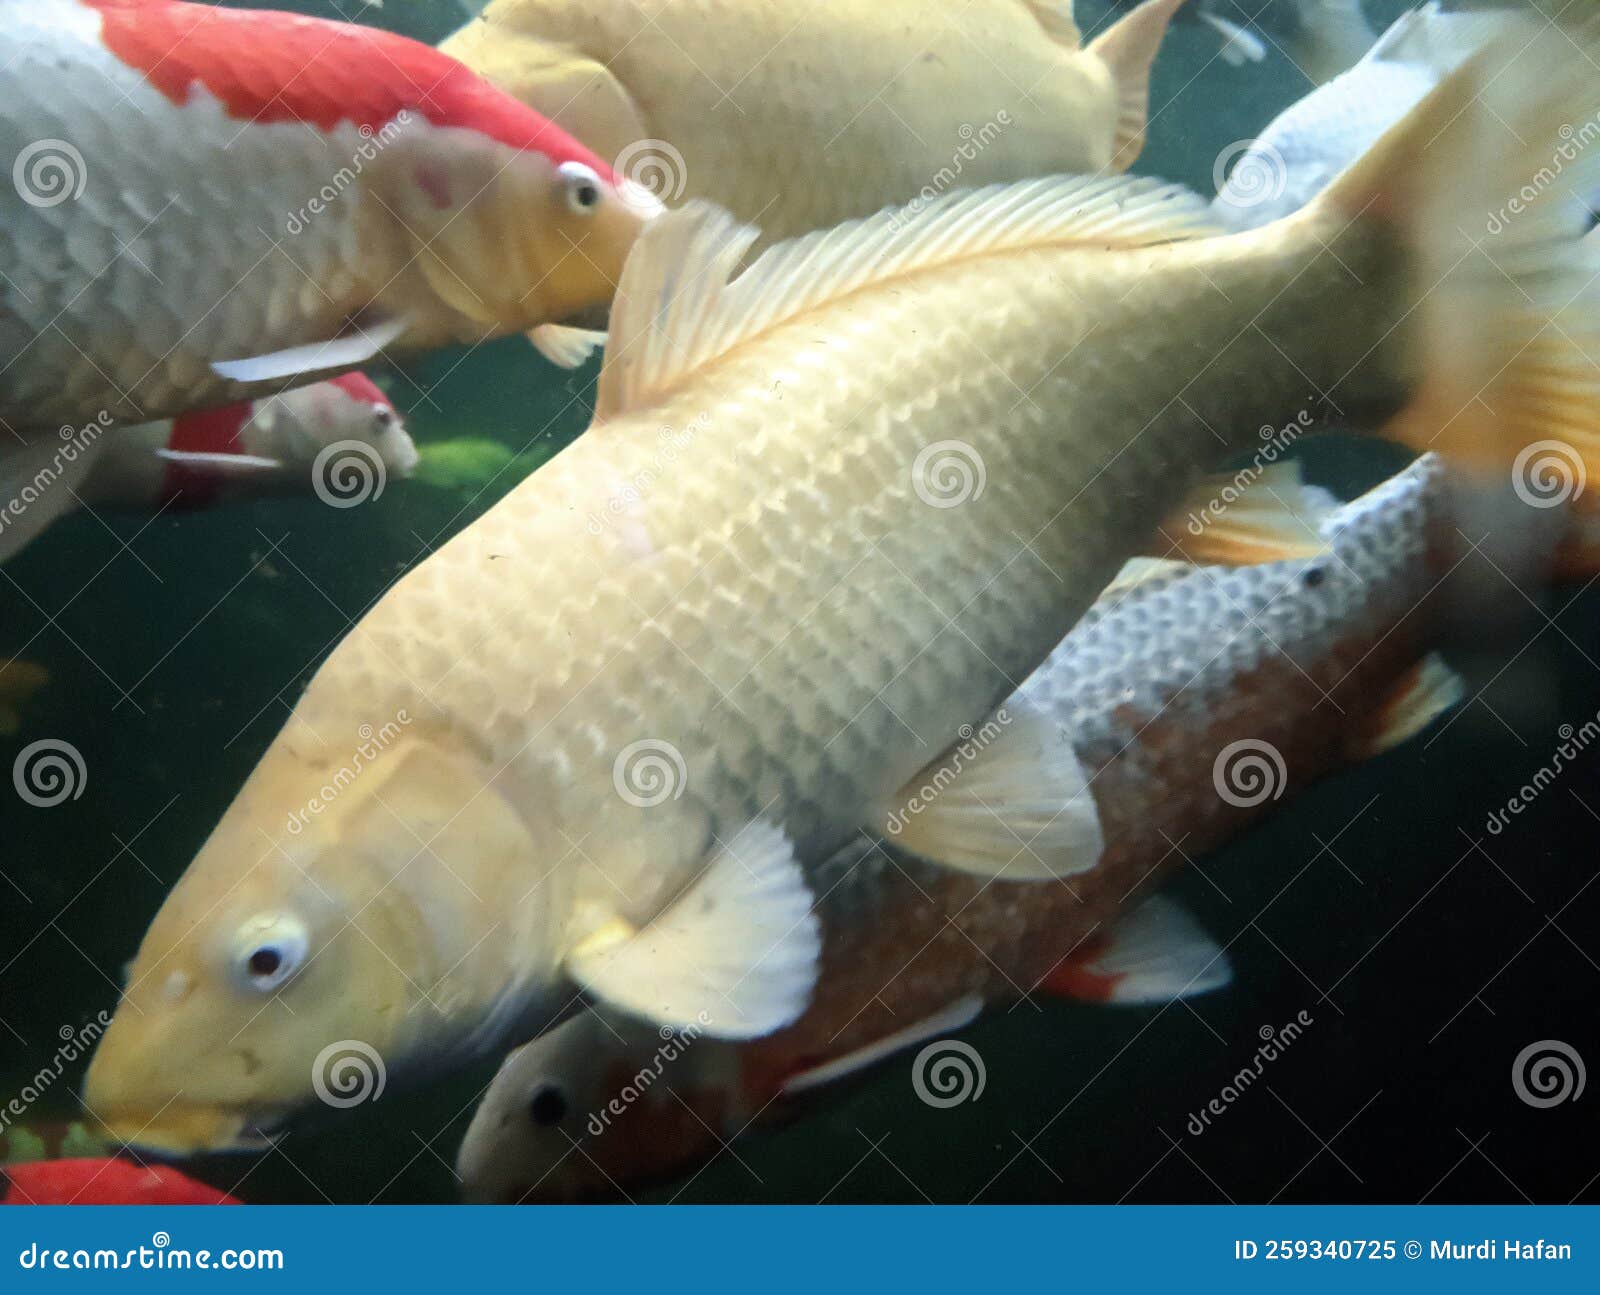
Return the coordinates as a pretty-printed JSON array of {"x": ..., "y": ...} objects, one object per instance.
[
  {"x": 1074, "y": 978},
  {"x": 104, "y": 1182},
  {"x": 207, "y": 431},
  {"x": 276, "y": 67},
  {"x": 358, "y": 386}
]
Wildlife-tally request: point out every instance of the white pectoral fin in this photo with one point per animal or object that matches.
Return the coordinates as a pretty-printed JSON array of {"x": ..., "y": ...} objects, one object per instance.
[
  {"x": 735, "y": 956},
  {"x": 960, "y": 1014},
  {"x": 346, "y": 352},
  {"x": 1011, "y": 802},
  {"x": 1156, "y": 954},
  {"x": 570, "y": 348},
  {"x": 236, "y": 467}
]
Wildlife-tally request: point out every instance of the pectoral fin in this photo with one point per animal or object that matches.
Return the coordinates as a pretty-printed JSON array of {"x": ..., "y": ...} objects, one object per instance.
[
  {"x": 40, "y": 484},
  {"x": 234, "y": 467},
  {"x": 1275, "y": 517},
  {"x": 345, "y": 352},
  {"x": 1156, "y": 954},
  {"x": 1011, "y": 801},
  {"x": 735, "y": 955},
  {"x": 570, "y": 348},
  {"x": 1422, "y": 694},
  {"x": 1128, "y": 49}
]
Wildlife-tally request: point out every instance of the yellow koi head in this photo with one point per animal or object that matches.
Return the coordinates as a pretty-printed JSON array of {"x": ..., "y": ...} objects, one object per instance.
[
  {"x": 335, "y": 926},
  {"x": 505, "y": 239}
]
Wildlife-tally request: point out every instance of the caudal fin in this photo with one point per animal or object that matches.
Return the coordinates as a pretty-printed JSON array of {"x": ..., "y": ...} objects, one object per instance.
[
  {"x": 1128, "y": 49},
  {"x": 1481, "y": 183}
]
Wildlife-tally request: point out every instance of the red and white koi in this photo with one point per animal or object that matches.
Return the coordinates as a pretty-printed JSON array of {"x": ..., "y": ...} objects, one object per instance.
[{"x": 208, "y": 202}]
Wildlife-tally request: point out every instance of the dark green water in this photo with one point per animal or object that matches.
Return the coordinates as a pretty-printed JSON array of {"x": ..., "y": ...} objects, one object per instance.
[{"x": 178, "y": 647}]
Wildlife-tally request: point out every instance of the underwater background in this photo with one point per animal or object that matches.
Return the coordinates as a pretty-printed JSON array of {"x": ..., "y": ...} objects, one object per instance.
[{"x": 1427, "y": 953}]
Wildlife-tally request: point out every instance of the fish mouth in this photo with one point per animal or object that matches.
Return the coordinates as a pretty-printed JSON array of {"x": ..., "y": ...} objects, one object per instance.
[{"x": 180, "y": 1130}]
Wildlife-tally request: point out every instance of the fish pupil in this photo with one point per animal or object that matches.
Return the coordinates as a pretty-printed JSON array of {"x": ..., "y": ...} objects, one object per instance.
[
  {"x": 1314, "y": 577},
  {"x": 265, "y": 962},
  {"x": 548, "y": 1106}
]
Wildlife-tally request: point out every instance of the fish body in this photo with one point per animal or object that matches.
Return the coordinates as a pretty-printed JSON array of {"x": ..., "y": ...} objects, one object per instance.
[
  {"x": 103, "y": 1181},
  {"x": 270, "y": 444},
  {"x": 1170, "y": 689},
  {"x": 210, "y": 201},
  {"x": 921, "y": 447},
  {"x": 301, "y": 439},
  {"x": 799, "y": 114},
  {"x": 1311, "y": 142}
]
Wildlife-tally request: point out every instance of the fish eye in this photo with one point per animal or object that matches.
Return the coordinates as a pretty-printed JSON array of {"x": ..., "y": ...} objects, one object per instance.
[
  {"x": 583, "y": 187},
  {"x": 383, "y": 418},
  {"x": 271, "y": 949},
  {"x": 547, "y": 1106},
  {"x": 1313, "y": 577}
]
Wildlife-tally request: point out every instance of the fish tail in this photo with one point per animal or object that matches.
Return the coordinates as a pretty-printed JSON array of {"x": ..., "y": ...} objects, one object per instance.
[
  {"x": 1128, "y": 50},
  {"x": 1498, "y": 334}
]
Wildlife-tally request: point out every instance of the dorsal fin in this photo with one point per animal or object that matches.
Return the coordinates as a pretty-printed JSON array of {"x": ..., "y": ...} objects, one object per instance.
[{"x": 679, "y": 307}]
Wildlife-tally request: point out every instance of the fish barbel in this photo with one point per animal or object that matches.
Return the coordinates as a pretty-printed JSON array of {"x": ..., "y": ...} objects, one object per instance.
[
  {"x": 798, "y": 114},
  {"x": 829, "y": 511},
  {"x": 210, "y": 202},
  {"x": 1175, "y": 689}
]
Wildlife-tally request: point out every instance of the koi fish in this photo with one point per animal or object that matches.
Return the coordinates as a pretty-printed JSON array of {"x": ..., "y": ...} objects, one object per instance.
[{"x": 626, "y": 741}]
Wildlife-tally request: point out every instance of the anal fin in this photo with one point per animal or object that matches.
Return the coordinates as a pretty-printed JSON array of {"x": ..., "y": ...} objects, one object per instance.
[
  {"x": 1420, "y": 696},
  {"x": 1156, "y": 954}
]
